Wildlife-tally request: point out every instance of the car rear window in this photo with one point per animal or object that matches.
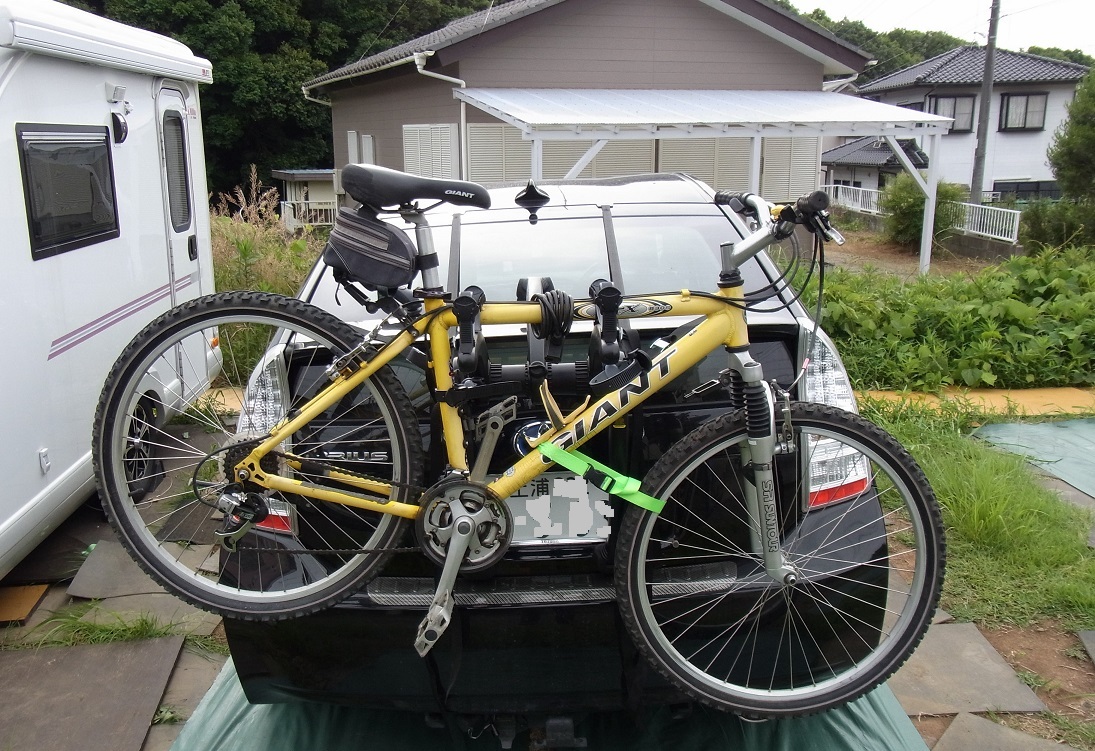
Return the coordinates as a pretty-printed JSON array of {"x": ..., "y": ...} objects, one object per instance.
[{"x": 660, "y": 248}]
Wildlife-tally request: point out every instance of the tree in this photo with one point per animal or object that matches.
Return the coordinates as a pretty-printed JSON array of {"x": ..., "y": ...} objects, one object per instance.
[
  {"x": 1069, "y": 56},
  {"x": 1072, "y": 153},
  {"x": 893, "y": 50}
]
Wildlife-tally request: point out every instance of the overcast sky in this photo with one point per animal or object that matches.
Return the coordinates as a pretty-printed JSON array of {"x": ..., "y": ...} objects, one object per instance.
[{"x": 1068, "y": 24}]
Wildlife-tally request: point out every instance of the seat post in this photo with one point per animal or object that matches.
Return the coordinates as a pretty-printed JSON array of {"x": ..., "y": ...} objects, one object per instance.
[{"x": 427, "y": 256}]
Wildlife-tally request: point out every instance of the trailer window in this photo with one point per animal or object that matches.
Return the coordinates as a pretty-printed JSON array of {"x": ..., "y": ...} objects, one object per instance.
[
  {"x": 174, "y": 144},
  {"x": 68, "y": 183}
]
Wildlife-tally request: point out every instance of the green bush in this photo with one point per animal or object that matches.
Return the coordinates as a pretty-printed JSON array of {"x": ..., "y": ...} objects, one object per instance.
[
  {"x": 903, "y": 202},
  {"x": 1027, "y": 322},
  {"x": 1057, "y": 223}
]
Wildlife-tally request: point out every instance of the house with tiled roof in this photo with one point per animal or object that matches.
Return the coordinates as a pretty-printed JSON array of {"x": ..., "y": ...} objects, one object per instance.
[
  {"x": 402, "y": 108},
  {"x": 869, "y": 162},
  {"x": 1029, "y": 98}
]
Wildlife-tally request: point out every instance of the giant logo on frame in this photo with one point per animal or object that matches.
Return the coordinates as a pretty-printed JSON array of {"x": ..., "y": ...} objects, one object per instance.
[{"x": 633, "y": 308}]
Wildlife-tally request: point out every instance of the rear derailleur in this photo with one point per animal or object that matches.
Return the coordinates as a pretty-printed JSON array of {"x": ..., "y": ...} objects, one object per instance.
[{"x": 242, "y": 511}]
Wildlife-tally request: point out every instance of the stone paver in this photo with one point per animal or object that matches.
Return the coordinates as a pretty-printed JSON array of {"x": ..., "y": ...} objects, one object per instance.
[
  {"x": 93, "y": 697},
  {"x": 956, "y": 670},
  {"x": 194, "y": 673},
  {"x": 1088, "y": 639},
  {"x": 125, "y": 594},
  {"x": 110, "y": 572},
  {"x": 968, "y": 732}
]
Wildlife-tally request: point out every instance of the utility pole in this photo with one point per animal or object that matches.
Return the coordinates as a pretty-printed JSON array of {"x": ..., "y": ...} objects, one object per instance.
[{"x": 984, "y": 108}]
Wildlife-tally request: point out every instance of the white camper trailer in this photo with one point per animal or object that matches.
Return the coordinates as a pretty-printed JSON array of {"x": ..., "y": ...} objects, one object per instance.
[{"x": 106, "y": 225}]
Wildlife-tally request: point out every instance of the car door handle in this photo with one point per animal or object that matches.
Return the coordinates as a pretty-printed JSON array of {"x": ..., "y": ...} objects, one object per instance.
[{"x": 192, "y": 247}]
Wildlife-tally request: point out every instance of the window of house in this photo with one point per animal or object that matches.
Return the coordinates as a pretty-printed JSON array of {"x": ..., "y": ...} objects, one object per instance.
[
  {"x": 1027, "y": 190},
  {"x": 1022, "y": 111},
  {"x": 958, "y": 107},
  {"x": 68, "y": 185}
]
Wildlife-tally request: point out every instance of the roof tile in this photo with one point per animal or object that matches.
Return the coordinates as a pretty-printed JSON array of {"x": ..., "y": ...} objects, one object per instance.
[
  {"x": 966, "y": 66},
  {"x": 872, "y": 151}
]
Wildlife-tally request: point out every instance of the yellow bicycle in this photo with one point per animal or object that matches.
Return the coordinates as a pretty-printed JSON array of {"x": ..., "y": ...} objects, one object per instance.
[{"x": 783, "y": 558}]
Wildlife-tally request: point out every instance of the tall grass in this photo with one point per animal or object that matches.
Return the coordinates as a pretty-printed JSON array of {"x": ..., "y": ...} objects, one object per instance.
[
  {"x": 251, "y": 247},
  {"x": 252, "y": 250},
  {"x": 1017, "y": 554}
]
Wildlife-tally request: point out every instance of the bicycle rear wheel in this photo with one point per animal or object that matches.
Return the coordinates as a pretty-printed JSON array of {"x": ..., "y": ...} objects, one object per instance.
[
  {"x": 860, "y": 525},
  {"x": 190, "y": 397}
]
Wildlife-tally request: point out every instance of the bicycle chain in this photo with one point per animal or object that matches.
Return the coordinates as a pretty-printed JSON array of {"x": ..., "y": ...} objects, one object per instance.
[{"x": 417, "y": 490}]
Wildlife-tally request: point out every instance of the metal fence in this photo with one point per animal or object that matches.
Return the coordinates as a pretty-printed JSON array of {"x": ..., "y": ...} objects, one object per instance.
[
  {"x": 972, "y": 219},
  {"x": 863, "y": 200},
  {"x": 296, "y": 214},
  {"x": 989, "y": 221}
]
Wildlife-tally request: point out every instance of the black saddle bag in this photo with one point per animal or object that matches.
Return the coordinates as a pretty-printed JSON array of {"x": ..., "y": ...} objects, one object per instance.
[{"x": 370, "y": 252}]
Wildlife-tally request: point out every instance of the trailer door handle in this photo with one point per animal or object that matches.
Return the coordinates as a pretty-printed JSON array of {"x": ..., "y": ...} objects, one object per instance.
[{"x": 192, "y": 247}]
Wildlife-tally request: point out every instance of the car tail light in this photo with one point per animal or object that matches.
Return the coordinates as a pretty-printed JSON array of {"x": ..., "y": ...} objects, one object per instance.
[
  {"x": 826, "y": 380},
  {"x": 263, "y": 405},
  {"x": 837, "y": 472}
]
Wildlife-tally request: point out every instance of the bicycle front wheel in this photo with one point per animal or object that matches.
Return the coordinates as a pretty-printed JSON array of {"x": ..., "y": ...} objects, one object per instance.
[
  {"x": 858, "y": 523},
  {"x": 190, "y": 397}
]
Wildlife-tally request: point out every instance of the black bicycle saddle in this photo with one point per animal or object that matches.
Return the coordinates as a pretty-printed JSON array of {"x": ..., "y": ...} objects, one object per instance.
[{"x": 379, "y": 186}]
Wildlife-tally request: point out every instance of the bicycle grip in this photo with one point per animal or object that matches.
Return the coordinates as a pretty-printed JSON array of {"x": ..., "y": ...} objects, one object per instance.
[
  {"x": 812, "y": 203},
  {"x": 725, "y": 197}
]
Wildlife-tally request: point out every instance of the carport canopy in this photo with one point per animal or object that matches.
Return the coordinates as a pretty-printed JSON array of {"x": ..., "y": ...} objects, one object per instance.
[{"x": 604, "y": 115}]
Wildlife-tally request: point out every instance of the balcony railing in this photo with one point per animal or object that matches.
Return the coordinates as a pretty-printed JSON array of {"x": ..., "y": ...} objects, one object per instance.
[
  {"x": 972, "y": 219},
  {"x": 296, "y": 214}
]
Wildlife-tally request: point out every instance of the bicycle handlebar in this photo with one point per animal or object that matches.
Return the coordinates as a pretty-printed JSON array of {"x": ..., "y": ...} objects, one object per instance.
[{"x": 808, "y": 210}]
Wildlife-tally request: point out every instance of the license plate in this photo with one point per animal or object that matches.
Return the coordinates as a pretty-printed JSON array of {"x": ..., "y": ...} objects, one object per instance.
[{"x": 559, "y": 507}]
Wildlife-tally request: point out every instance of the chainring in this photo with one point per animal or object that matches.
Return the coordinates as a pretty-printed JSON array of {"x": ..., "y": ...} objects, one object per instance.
[{"x": 433, "y": 525}]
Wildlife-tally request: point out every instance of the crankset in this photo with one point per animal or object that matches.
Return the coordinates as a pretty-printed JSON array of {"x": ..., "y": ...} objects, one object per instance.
[{"x": 462, "y": 528}]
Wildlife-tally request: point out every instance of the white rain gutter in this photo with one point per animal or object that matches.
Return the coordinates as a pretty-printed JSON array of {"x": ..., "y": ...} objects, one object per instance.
[
  {"x": 346, "y": 77},
  {"x": 420, "y": 63}
]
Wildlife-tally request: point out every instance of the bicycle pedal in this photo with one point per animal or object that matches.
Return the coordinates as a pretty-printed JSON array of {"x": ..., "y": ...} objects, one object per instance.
[{"x": 433, "y": 626}]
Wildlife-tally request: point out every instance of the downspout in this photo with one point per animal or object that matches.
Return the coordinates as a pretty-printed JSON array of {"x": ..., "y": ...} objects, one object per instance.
[{"x": 420, "y": 63}]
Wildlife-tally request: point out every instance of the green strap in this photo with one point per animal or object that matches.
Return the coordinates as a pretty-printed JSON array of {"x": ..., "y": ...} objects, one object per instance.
[{"x": 607, "y": 479}]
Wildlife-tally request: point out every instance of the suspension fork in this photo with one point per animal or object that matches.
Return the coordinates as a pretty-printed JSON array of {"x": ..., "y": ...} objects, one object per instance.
[{"x": 758, "y": 462}]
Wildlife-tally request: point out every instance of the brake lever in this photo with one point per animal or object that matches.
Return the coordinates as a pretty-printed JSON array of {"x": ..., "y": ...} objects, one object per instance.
[{"x": 819, "y": 224}]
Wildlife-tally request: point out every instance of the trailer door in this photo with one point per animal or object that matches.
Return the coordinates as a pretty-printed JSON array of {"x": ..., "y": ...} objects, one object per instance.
[{"x": 177, "y": 151}]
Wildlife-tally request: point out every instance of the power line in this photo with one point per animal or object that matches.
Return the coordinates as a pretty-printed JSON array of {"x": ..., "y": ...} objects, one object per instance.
[
  {"x": 1033, "y": 7},
  {"x": 381, "y": 32}
]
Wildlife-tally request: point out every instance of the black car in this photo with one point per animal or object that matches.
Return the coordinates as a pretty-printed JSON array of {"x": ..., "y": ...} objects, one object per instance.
[{"x": 539, "y": 634}]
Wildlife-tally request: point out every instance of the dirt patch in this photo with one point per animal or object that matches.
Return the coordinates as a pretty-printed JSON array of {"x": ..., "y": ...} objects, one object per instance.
[
  {"x": 1053, "y": 662},
  {"x": 864, "y": 248}
]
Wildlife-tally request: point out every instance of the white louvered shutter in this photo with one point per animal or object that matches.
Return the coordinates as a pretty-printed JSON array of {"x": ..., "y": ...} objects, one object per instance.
[
  {"x": 790, "y": 167},
  {"x": 734, "y": 162},
  {"x": 624, "y": 158},
  {"x": 430, "y": 150},
  {"x": 693, "y": 156}
]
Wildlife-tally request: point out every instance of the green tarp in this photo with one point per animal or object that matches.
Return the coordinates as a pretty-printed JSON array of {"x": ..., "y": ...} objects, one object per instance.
[
  {"x": 1065, "y": 449},
  {"x": 225, "y": 720}
]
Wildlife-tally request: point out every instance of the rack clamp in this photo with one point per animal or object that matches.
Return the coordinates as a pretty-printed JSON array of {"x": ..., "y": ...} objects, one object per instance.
[{"x": 605, "y": 478}]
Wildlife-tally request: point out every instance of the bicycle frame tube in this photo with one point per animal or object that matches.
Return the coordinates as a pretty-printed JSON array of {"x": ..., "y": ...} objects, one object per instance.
[{"x": 723, "y": 324}]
